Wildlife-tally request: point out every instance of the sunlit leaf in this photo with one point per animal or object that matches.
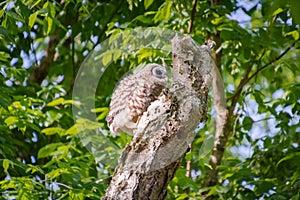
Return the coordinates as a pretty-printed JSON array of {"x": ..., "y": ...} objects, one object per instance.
[
  {"x": 102, "y": 109},
  {"x": 56, "y": 102},
  {"x": 75, "y": 129},
  {"x": 5, "y": 164},
  {"x": 11, "y": 120},
  {"x": 35, "y": 3},
  {"x": 2, "y": 12},
  {"x": 32, "y": 19},
  {"x": 117, "y": 54},
  {"x": 48, "y": 150},
  {"x": 88, "y": 124},
  {"x": 106, "y": 58},
  {"x": 49, "y": 25},
  {"x": 294, "y": 33},
  {"x": 148, "y": 3},
  {"x": 57, "y": 172},
  {"x": 163, "y": 12},
  {"x": 276, "y": 12},
  {"x": 53, "y": 130}
]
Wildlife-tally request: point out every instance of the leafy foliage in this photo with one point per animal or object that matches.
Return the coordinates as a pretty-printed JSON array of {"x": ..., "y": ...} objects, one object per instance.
[{"x": 41, "y": 153}]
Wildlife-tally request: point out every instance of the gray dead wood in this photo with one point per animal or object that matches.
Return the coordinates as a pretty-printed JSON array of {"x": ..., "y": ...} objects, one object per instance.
[{"x": 161, "y": 139}]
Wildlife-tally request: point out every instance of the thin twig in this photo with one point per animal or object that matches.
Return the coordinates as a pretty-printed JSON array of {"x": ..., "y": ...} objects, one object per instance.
[
  {"x": 246, "y": 80},
  {"x": 272, "y": 61},
  {"x": 235, "y": 123}
]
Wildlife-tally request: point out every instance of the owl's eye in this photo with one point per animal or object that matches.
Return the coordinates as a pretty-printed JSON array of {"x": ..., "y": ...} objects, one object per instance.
[{"x": 159, "y": 72}]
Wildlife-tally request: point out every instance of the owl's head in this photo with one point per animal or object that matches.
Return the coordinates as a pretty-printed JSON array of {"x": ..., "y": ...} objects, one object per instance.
[{"x": 155, "y": 73}]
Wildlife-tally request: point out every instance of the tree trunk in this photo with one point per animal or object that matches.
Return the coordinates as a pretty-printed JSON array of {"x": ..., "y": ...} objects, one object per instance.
[
  {"x": 40, "y": 72},
  {"x": 166, "y": 129}
]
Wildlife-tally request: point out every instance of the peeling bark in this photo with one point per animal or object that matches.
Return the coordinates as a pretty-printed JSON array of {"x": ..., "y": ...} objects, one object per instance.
[
  {"x": 222, "y": 128},
  {"x": 166, "y": 129}
]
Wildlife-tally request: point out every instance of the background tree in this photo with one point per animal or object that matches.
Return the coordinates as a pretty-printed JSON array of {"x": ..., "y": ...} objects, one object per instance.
[{"x": 43, "y": 45}]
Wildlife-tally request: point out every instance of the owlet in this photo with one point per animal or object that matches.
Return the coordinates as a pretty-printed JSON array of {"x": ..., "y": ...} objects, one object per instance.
[{"x": 133, "y": 96}]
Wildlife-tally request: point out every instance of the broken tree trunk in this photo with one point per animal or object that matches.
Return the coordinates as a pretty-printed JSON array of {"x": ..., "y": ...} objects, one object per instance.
[{"x": 165, "y": 130}]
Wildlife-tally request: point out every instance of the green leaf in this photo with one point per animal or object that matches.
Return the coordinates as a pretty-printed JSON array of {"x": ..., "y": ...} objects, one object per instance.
[
  {"x": 11, "y": 120},
  {"x": 147, "y": 3},
  {"x": 247, "y": 123},
  {"x": 57, "y": 172},
  {"x": 182, "y": 197},
  {"x": 294, "y": 34},
  {"x": 88, "y": 124},
  {"x": 53, "y": 130},
  {"x": 56, "y": 102},
  {"x": 33, "y": 169},
  {"x": 15, "y": 16},
  {"x": 296, "y": 197},
  {"x": 208, "y": 165},
  {"x": 2, "y": 12},
  {"x": 3, "y": 55},
  {"x": 101, "y": 116},
  {"x": 144, "y": 53},
  {"x": 83, "y": 124},
  {"x": 51, "y": 10},
  {"x": 48, "y": 150},
  {"x": 295, "y": 156},
  {"x": 4, "y": 32},
  {"x": 5, "y": 164},
  {"x": 101, "y": 109},
  {"x": 107, "y": 58},
  {"x": 216, "y": 20},
  {"x": 276, "y": 12},
  {"x": 32, "y": 19},
  {"x": 36, "y": 3},
  {"x": 70, "y": 102},
  {"x": 164, "y": 12},
  {"x": 117, "y": 55},
  {"x": 49, "y": 24},
  {"x": 188, "y": 156},
  {"x": 75, "y": 129},
  {"x": 144, "y": 19}
]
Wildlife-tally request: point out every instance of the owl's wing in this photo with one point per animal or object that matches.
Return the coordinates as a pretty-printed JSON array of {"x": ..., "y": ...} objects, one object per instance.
[
  {"x": 118, "y": 118},
  {"x": 139, "y": 101}
]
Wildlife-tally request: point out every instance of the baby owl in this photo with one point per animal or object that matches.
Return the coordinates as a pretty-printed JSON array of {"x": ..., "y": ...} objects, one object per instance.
[{"x": 133, "y": 96}]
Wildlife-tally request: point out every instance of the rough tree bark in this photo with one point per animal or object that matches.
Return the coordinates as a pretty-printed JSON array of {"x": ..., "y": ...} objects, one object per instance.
[{"x": 150, "y": 161}]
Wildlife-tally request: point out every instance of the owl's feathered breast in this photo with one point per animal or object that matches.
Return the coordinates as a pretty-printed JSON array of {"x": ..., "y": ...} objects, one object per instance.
[{"x": 133, "y": 96}]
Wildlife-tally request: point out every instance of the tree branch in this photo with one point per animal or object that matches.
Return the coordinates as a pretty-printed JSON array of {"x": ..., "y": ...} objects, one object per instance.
[
  {"x": 222, "y": 135},
  {"x": 191, "y": 22},
  {"x": 164, "y": 131},
  {"x": 39, "y": 73}
]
